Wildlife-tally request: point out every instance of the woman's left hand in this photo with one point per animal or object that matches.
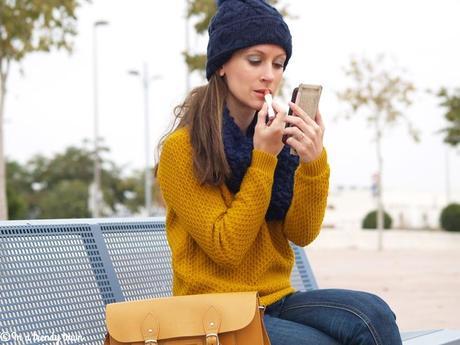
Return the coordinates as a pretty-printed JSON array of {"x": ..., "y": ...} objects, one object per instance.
[{"x": 305, "y": 135}]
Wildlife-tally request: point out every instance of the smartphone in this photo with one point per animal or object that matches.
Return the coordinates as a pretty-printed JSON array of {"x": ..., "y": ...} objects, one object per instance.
[{"x": 306, "y": 97}]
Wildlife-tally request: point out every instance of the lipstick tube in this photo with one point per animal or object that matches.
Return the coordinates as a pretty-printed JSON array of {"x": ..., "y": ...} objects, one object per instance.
[{"x": 269, "y": 99}]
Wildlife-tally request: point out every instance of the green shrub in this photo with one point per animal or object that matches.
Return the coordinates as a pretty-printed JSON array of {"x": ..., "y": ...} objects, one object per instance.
[
  {"x": 370, "y": 221},
  {"x": 17, "y": 204},
  {"x": 450, "y": 217}
]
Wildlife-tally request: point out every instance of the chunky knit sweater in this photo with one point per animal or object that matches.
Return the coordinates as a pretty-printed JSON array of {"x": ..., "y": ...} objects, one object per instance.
[{"x": 221, "y": 242}]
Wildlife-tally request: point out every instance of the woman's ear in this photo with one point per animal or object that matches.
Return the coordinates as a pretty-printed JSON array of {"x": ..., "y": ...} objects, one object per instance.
[{"x": 221, "y": 71}]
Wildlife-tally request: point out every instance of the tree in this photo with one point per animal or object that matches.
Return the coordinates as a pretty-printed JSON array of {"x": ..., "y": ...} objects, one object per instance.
[
  {"x": 58, "y": 187},
  {"x": 451, "y": 102},
  {"x": 17, "y": 189},
  {"x": 203, "y": 11},
  {"x": 381, "y": 94},
  {"x": 68, "y": 199},
  {"x": 135, "y": 197},
  {"x": 26, "y": 27},
  {"x": 72, "y": 168}
]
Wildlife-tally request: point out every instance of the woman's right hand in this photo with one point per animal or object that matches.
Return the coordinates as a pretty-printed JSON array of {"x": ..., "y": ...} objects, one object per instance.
[{"x": 268, "y": 136}]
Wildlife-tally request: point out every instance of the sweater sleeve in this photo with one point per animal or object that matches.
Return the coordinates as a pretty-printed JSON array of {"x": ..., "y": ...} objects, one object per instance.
[
  {"x": 305, "y": 215},
  {"x": 225, "y": 233}
]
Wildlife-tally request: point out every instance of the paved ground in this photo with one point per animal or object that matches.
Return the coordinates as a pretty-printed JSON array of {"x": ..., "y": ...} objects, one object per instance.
[{"x": 417, "y": 273}]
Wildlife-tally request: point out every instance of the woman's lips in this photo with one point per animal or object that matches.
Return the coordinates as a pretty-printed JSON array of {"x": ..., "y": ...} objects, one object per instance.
[{"x": 261, "y": 92}]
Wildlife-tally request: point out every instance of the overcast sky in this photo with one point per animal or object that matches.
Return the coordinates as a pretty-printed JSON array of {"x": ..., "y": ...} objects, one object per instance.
[{"x": 50, "y": 106}]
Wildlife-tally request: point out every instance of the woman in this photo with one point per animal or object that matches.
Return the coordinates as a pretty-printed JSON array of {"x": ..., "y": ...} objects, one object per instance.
[{"x": 235, "y": 195}]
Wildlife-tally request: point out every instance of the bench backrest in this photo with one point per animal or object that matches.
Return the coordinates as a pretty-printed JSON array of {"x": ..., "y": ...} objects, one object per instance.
[{"x": 57, "y": 276}]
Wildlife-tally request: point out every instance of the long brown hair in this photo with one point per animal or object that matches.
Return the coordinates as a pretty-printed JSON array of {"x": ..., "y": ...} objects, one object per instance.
[{"x": 201, "y": 113}]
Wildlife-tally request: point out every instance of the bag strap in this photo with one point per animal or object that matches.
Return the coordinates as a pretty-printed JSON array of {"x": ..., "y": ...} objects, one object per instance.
[
  {"x": 150, "y": 329},
  {"x": 264, "y": 330},
  {"x": 211, "y": 325}
]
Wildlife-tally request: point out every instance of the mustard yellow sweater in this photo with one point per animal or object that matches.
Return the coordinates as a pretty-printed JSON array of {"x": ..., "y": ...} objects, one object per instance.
[{"x": 221, "y": 242}]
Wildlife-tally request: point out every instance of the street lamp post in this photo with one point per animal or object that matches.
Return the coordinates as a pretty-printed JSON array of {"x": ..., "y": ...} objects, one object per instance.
[
  {"x": 148, "y": 171},
  {"x": 187, "y": 47},
  {"x": 97, "y": 192},
  {"x": 447, "y": 174}
]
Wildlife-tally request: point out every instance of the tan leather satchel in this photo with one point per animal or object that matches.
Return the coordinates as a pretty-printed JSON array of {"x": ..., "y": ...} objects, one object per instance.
[{"x": 208, "y": 319}]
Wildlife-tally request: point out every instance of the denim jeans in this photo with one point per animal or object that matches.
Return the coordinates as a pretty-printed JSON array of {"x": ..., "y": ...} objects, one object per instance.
[{"x": 331, "y": 317}]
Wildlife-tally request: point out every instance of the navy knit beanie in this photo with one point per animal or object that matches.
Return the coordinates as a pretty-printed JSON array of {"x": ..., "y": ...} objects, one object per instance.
[{"x": 240, "y": 24}]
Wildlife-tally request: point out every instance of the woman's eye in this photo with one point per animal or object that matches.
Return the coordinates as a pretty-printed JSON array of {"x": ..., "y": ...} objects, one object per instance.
[{"x": 254, "y": 62}]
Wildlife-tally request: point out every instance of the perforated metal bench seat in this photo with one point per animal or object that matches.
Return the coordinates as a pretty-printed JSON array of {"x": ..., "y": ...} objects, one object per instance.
[{"x": 58, "y": 275}]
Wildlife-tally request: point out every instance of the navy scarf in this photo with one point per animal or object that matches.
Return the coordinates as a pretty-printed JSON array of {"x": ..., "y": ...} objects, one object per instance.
[{"x": 238, "y": 150}]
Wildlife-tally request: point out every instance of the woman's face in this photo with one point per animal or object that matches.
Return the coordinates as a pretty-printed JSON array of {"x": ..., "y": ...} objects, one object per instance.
[{"x": 251, "y": 71}]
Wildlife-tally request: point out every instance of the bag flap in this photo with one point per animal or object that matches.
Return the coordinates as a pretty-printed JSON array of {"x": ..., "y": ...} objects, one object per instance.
[{"x": 180, "y": 316}]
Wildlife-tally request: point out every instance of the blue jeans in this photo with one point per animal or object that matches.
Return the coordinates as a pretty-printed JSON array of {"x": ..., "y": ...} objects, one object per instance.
[{"x": 331, "y": 317}]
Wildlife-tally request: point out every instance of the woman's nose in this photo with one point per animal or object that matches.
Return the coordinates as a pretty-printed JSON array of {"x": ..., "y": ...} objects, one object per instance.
[{"x": 268, "y": 73}]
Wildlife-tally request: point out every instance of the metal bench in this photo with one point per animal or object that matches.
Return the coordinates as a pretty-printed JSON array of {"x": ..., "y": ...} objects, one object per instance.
[{"x": 57, "y": 276}]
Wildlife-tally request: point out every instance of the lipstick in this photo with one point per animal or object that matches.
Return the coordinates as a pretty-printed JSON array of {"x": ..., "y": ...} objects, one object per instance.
[{"x": 269, "y": 99}]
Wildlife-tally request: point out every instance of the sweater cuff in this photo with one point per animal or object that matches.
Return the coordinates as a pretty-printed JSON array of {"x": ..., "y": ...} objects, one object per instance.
[
  {"x": 315, "y": 167},
  {"x": 263, "y": 160}
]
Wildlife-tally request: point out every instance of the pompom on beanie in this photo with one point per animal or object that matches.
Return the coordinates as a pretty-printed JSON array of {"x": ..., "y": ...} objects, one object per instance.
[{"x": 240, "y": 24}]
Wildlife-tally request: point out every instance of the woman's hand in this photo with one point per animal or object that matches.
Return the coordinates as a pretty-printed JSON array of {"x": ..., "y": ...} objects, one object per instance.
[
  {"x": 268, "y": 136},
  {"x": 305, "y": 135}
]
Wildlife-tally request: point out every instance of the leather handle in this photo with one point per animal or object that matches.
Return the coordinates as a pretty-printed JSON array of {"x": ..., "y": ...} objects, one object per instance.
[
  {"x": 211, "y": 325},
  {"x": 150, "y": 329}
]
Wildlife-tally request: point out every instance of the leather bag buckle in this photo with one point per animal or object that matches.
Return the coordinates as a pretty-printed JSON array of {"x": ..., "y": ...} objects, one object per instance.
[{"x": 215, "y": 335}]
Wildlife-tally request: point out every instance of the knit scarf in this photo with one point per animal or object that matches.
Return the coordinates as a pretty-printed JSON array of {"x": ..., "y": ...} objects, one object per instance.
[{"x": 238, "y": 151}]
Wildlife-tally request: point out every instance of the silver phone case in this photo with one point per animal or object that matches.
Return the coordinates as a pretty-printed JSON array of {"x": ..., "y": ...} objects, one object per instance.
[{"x": 308, "y": 100}]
